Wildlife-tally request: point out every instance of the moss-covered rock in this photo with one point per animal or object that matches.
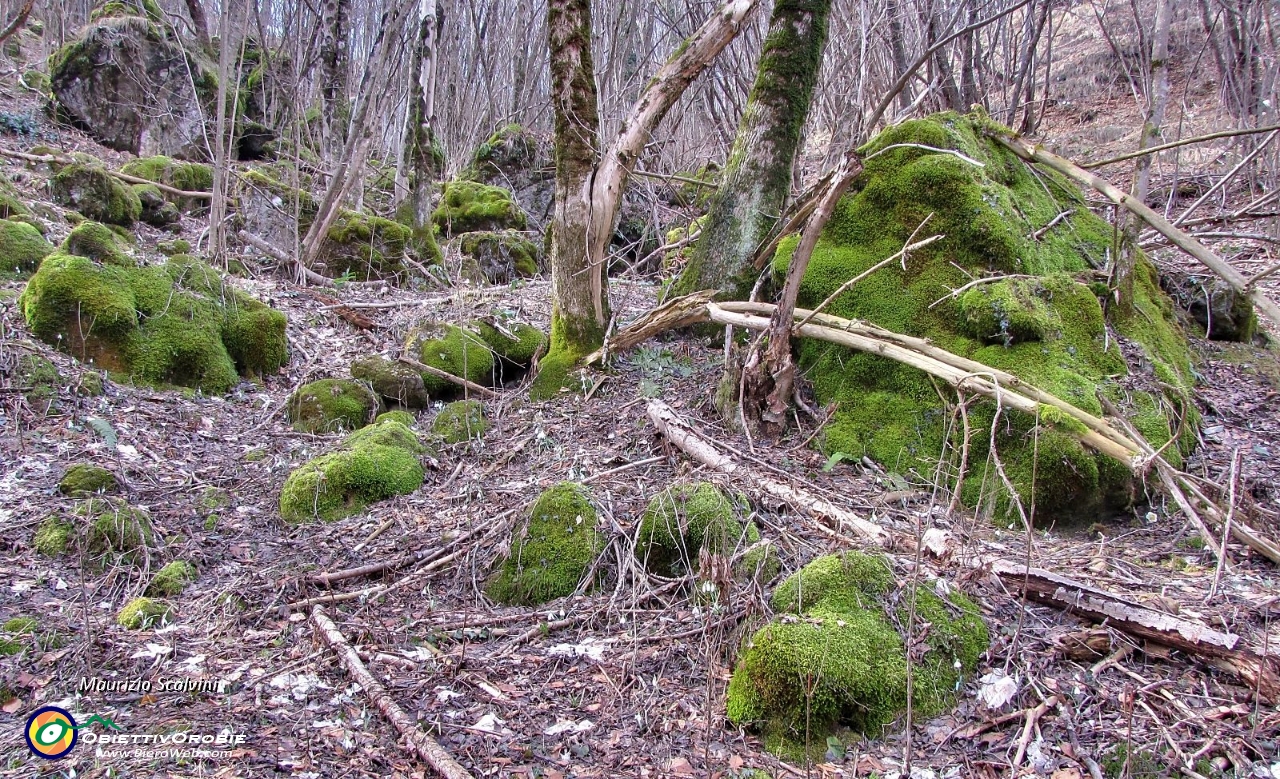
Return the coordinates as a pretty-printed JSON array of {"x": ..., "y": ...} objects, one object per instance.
[
  {"x": 99, "y": 243},
  {"x": 11, "y": 204},
  {"x": 39, "y": 379},
  {"x": 1041, "y": 321},
  {"x": 452, "y": 349},
  {"x": 156, "y": 210},
  {"x": 375, "y": 463},
  {"x": 22, "y": 247},
  {"x": 15, "y": 632},
  {"x": 52, "y": 537},
  {"x": 403, "y": 417},
  {"x": 142, "y": 613},
  {"x": 365, "y": 247},
  {"x": 395, "y": 381},
  {"x": 331, "y": 405},
  {"x": 552, "y": 551},
  {"x": 179, "y": 323},
  {"x": 96, "y": 194},
  {"x": 176, "y": 246},
  {"x": 499, "y": 257},
  {"x": 117, "y": 531},
  {"x": 462, "y": 420},
  {"x": 468, "y": 206},
  {"x": 172, "y": 579},
  {"x": 83, "y": 480},
  {"x": 504, "y": 156},
  {"x": 179, "y": 174},
  {"x": 681, "y": 521},
  {"x": 836, "y": 660}
]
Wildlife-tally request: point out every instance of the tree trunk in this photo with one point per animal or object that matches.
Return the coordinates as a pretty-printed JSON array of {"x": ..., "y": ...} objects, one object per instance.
[
  {"x": 423, "y": 160},
  {"x": 1157, "y": 98},
  {"x": 589, "y": 184},
  {"x": 757, "y": 179},
  {"x": 333, "y": 72},
  {"x": 200, "y": 23},
  {"x": 221, "y": 154}
]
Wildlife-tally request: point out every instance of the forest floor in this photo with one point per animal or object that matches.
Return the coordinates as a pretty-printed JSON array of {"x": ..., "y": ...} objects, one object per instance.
[{"x": 627, "y": 681}]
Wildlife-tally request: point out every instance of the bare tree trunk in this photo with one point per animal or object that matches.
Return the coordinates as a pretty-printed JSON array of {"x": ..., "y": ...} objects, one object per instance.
[
  {"x": 1157, "y": 100},
  {"x": 589, "y": 183},
  {"x": 334, "y": 26},
  {"x": 423, "y": 159},
  {"x": 757, "y": 180},
  {"x": 221, "y": 166}
]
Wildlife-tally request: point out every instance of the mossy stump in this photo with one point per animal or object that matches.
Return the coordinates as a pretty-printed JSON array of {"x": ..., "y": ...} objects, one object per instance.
[
  {"x": 835, "y": 660},
  {"x": 374, "y": 463},
  {"x": 462, "y": 420},
  {"x": 332, "y": 405},
  {"x": 553, "y": 550},
  {"x": 1039, "y": 316}
]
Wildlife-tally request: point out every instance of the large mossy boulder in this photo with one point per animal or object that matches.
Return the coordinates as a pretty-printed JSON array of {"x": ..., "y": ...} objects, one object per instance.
[
  {"x": 374, "y": 463},
  {"x": 552, "y": 551},
  {"x": 95, "y": 193},
  {"x": 332, "y": 405},
  {"x": 499, "y": 257},
  {"x": 133, "y": 88},
  {"x": 468, "y": 206},
  {"x": 176, "y": 323},
  {"x": 365, "y": 247},
  {"x": 1210, "y": 307},
  {"x": 682, "y": 521},
  {"x": 22, "y": 247},
  {"x": 179, "y": 174},
  {"x": 834, "y": 659},
  {"x": 1040, "y": 318},
  {"x": 395, "y": 381},
  {"x": 156, "y": 210},
  {"x": 487, "y": 353}
]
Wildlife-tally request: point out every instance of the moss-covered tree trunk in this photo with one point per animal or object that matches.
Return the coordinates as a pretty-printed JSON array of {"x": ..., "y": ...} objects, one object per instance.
[
  {"x": 757, "y": 179},
  {"x": 423, "y": 162},
  {"x": 333, "y": 71},
  {"x": 1157, "y": 99},
  {"x": 590, "y": 182}
]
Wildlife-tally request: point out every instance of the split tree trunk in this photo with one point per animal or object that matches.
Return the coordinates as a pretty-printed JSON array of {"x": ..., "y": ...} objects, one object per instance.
[
  {"x": 590, "y": 182},
  {"x": 1157, "y": 99},
  {"x": 757, "y": 179}
]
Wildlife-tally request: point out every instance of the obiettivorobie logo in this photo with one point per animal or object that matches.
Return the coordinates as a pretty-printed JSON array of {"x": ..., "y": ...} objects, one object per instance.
[{"x": 52, "y": 732}]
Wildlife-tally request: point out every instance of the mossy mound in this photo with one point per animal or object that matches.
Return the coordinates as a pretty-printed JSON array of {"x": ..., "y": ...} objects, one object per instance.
[
  {"x": 22, "y": 247},
  {"x": 365, "y": 247},
  {"x": 99, "y": 243},
  {"x": 141, "y": 613},
  {"x": 156, "y": 211},
  {"x": 172, "y": 579},
  {"x": 553, "y": 551},
  {"x": 509, "y": 151},
  {"x": 393, "y": 380},
  {"x": 117, "y": 531},
  {"x": 836, "y": 660},
  {"x": 179, "y": 174},
  {"x": 15, "y": 632},
  {"x": 681, "y": 521},
  {"x": 177, "y": 323},
  {"x": 376, "y": 463},
  {"x": 485, "y": 352},
  {"x": 1042, "y": 322},
  {"x": 39, "y": 380},
  {"x": 403, "y": 417},
  {"x": 468, "y": 206},
  {"x": 96, "y": 194},
  {"x": 52, "y": 537},
  {"x": 11, "y": 204},
  {"x": 499, "y": 257},
  {"x": 83, "y": 480},
  {"x": 462, "y": 420},
  {"x": 332, "y": 405},
  {"x": 176, "y": 246}
]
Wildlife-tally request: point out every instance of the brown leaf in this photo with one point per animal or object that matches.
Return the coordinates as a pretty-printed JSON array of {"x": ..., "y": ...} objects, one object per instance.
[{"x": 12, "y": 705}]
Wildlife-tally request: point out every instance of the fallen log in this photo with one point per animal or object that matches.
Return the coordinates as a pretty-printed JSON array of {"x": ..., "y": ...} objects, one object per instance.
[
  {"x": 419, "y": 743},
  {"x": 125, "y": 177},
  {"x": 466, "y": 384}
]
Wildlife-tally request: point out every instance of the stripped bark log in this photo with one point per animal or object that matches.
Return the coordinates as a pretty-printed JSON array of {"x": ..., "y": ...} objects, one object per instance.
[
  {"x": 1222, "y": 650},
  {"x": 419, "y": 743},
  {"x": 1032, "y": 153}
]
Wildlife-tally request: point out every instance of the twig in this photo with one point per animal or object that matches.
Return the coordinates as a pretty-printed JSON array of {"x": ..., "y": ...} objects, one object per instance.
[
  {"x": 1032, "y": 717},
  {"x": 1176, "y": 144},
  {"x": 419, "y": 743},
  {"x": 1226, "y": 529},
  {"x": 1038, "y": 234}
]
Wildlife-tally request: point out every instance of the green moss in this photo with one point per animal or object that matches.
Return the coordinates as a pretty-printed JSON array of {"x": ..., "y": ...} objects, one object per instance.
[
  {"x": 176, "y": 246},
  {"x": 117, "y": 531},
  {"x": 840, "y": 661},
  {"x": 1039, "y": 322},
  {"x": 455, "y": 350},
  {"x": 403, "y": 417},
  {"x": 468, "y": 206},
  {"x": 11, "y": 204},
  {"x": 22, "y": 247},
  {"x": 172, "y": 579},
  {"x": 186, "y": 176},
  {"x": 508, "y": 148},
  {"x": 556, "y": 370},
  {"x": 96, "y": 194},
  {"x": 393, "y": 380},
  {"x": 52, "y": 537},
  {"x": 366, "y": 247},
  {"x": 331, "y": 405},
  {"x": 553, "y": 551},
  {"x": 15, "y": 632},
  {"x": 501, "y": 256},
  {"x": 387, "y": 431},
  {"x": 342, "y": 483},
  {"x": 1119, "y": 764},
  {"x": 214, "y": 499},
  {"x": 460, "y": 421},
  {"x": 82, "y": 480},
  {"x": 515, "y": 343},
  {"x": 39, "y": 379},
  {"x": 99, "y": 243},
  {"x": 681, "y": 521},
  {"x": 141, "y": 613},
  {"x": 156, "y": 210}
]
